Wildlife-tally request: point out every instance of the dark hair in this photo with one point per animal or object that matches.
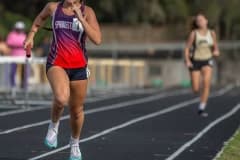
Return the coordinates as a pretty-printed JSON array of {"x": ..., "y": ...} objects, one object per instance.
[
  {"x": 194, "y": 23},
  {"x": 79, "y": 0},
  {"x": 194, "y": 20}
]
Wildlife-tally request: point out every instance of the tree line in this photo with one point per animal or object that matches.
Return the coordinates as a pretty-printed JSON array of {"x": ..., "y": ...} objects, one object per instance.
[{"x": 224, "y": 15}]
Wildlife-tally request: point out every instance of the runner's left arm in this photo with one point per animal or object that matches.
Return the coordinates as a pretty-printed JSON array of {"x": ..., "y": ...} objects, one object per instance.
[
  {"x": 90, "y": 24},
  {"x": 216, "y": 51}
]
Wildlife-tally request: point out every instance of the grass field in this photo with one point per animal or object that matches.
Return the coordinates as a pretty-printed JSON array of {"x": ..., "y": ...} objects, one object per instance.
[{"x": 232, "y": 149}]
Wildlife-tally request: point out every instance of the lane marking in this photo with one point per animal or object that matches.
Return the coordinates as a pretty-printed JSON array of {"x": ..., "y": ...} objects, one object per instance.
[
  {"x": 102, "y": 96},
  {"x": 100, "y": 109},
  {"x": 18, "y": 111},
  {"x": 49, "y": 102},
  {"x": 10, "y": 107},
  {"x": 96, "y": 99},
  {"x": 203, "y": 132},
  {"x": 132, "y": 122}
]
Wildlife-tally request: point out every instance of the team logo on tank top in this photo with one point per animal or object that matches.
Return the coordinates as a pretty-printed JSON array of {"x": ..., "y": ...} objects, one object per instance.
[{"x": 77, "y": 25}]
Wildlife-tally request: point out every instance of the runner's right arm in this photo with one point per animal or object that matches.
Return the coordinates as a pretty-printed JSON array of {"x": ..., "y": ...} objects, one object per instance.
[
  {"x": 38, "y": 22},
  {"x": 187, "y": 49}
]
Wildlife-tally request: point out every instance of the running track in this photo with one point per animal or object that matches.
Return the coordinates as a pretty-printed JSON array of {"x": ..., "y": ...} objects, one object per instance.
[{"x": 151, "y": 125}]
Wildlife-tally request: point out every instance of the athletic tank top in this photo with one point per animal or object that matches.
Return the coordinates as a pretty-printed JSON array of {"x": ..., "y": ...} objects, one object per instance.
[
  {"x": 203, "y": 46},
  {"x": 68, "y": 44}
]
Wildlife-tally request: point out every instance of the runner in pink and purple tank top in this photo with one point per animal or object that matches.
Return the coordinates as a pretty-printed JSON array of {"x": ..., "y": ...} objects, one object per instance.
[{"x": 72, "y": 23}]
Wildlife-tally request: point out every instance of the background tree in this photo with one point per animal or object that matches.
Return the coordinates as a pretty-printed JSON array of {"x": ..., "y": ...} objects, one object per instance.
[{"x": 224, "y": 15}]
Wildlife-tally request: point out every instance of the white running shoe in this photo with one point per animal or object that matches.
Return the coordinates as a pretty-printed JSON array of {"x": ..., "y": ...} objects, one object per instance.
[
  {"x": 75, "y": 152},
  {"x": 51, "y": 138}
]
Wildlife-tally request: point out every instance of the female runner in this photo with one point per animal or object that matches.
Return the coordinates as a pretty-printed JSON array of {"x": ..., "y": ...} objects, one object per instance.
[
  {"x": 66, "y": 66},
  {"x": 200, "y": 62}
]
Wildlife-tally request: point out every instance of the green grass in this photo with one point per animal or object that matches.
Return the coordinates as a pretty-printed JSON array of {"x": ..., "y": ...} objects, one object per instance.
[{"x": 232, "y": 149}]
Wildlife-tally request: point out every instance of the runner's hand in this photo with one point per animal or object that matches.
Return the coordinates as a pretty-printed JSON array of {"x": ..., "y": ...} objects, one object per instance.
[
  {"x": 28, "y": 42},
  {"x": 216, "y": 53},
  {"x": 78, "y": 13},
  {"x": 189, "y": 64}
]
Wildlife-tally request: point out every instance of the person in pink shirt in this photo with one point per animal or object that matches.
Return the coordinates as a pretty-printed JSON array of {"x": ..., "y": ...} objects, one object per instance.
[{"x": 15, "y": 40}]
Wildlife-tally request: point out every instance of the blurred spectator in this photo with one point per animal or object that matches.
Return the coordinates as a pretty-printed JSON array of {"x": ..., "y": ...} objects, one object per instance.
[
  {"x": 15, "y": 41},
  {"x": 43, "y": 51},
  {"x": 4, "y": 49}
]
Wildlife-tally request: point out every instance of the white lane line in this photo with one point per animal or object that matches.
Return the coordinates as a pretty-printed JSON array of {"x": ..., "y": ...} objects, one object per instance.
[
  {"x": 18, "y": 111},
  {"x": 100, "y": 109},
  {"x": 8, "y": 107},
  {"x": 90, "y": 99},
  {"x": 96, "y": 99},
  {"x": 131, "y": 122},
  {"x": 203, "y": 132},
  {"x": 115, "y": 95},
  {"x": 49, "y": 102},
  {"x": 123, "y": 125},
  {"x": 33, "y": 102},
  {"x": 31, "y": 109},
  {"x": 132, "y": 91}
]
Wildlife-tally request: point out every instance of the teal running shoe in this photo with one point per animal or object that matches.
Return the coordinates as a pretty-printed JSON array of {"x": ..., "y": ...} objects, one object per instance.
[
  {"x": 51, "y": 139},
  {"x": 75, "y": 152}
]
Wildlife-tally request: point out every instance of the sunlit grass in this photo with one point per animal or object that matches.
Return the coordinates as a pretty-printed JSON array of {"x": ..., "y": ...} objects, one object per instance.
[{"x": 232, "y": 150}]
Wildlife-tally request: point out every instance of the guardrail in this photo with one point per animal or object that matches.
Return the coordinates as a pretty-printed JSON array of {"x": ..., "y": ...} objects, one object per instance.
[
  {"x": 171, "y": 46},
  {"x": 21, "y": 60},
  {"x": 114, "y": 72}
]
